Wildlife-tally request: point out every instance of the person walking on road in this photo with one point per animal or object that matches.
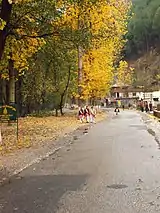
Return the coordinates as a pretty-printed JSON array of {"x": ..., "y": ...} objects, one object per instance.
[
  {"x": 87, "y": 114},
  {"x": 146, "y": 106},
  {"x": 116, "y": 110},
  {"x": 81, "y": 114},
  {"x": 150, "y": 107},
  {"x": 142, "y": 106},
  {"x": 92, "y": 115}
]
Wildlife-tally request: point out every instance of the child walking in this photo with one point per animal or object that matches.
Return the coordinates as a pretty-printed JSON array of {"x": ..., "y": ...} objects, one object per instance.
[
  {"x": 87, "y": 114},
  {"x": 81, "y": 114},
  {"x": 116, "y": 110},
  {"x": 92, "y": 115}
]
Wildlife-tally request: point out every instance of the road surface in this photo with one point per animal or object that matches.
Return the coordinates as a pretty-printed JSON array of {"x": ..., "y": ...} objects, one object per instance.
[{"x": 115, "y": 168}]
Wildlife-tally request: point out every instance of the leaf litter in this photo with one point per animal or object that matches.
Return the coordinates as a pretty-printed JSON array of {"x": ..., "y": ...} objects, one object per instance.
[{"x": 35, "y": 131}]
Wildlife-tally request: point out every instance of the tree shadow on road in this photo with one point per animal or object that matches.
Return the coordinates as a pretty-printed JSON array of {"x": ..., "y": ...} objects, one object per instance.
[{"x": 37, "y": 194}]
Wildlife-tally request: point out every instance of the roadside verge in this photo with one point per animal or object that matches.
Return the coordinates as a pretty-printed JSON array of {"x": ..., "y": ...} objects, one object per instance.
[{"x": 15, "y": 161}]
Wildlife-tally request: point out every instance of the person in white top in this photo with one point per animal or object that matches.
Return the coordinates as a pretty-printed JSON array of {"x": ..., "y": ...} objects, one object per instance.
[{"x": 92, "y": 115}]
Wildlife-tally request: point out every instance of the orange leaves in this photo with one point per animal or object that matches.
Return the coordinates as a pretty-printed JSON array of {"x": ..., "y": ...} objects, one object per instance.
[{"x": 35, "y": 131}]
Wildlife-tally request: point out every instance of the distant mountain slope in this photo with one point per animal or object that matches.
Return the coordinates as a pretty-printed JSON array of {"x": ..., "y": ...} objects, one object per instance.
[{"x": 143, "y": 45}]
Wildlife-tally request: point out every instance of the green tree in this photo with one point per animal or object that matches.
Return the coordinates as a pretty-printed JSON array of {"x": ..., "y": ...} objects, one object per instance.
[{"x": 143, "y": 28}]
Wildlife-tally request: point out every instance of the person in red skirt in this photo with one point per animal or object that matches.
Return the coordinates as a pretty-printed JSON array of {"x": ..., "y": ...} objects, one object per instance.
[
  {"x": 81, "y": 114},
  {"x": 87, "y": 114}
]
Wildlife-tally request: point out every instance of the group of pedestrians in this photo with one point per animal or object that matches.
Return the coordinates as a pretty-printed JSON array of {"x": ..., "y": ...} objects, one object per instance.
[
  {"x": 87, "y": 114},
  {"x": 144, "y": 106}
]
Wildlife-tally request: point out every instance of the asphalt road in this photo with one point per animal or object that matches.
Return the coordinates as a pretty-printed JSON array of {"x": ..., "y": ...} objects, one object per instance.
[{"x": 115, "y": 168}]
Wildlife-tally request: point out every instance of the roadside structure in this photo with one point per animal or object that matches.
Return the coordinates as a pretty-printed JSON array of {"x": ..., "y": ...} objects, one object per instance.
[{"x": 129, "y": 95}]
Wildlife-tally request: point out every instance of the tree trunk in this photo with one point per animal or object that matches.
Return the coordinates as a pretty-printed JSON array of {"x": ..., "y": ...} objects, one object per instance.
[
  {"x": 80, "y": 67},
  {"x": 1, "y": 91},
  {"x": 1, "y": 143},
  {"x": 4, "y": 83},
  {"x": 64, "y": 92},
  {"x": 6, "y": 91},
  {"x": 80, "y": 54},
  {"x": 11, "y": 83},
  {"x": 147, "y": 44},
  {"x": 61, "y": 111},
  {"x": 5, "y": 14},
  {"x": 43, "y": 95},
  {"x": 61, "y": 104},
  {"x": 56, "y": 112},
  {"x": 19, "y": 96}
]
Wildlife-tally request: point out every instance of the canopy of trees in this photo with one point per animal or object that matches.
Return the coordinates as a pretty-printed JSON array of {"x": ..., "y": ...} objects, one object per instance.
[
  {"x": 143, "y": 27},
  {"x": 51, "y": 50}
]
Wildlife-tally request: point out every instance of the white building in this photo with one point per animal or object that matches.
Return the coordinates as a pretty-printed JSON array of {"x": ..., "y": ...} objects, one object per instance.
[{"x": 131, "y": 94}]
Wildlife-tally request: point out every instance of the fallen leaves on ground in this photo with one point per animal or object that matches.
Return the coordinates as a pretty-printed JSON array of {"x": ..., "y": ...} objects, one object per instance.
[{"x": 34, "y": 131}]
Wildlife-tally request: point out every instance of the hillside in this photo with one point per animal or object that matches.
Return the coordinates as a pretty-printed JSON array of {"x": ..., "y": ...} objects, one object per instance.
[{"x": 143, "y": 42}]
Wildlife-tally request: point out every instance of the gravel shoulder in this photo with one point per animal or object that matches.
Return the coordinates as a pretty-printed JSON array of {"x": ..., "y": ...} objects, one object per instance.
[{"x": 153, "y": 126}]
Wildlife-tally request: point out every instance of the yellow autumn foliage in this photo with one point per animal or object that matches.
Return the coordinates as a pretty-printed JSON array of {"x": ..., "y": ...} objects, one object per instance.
[
  {"x": 98, "y": 62},
  {"x": 107, "y": 23},
  {"x": 17, "y": 1},
  {"x": 124, "y": 74},
  {"x": 20, "y": 46},
  {"x": 97, "y": 73},
  {"x": 19, "y": 51},
  {"x": 2, "y": 24}
]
